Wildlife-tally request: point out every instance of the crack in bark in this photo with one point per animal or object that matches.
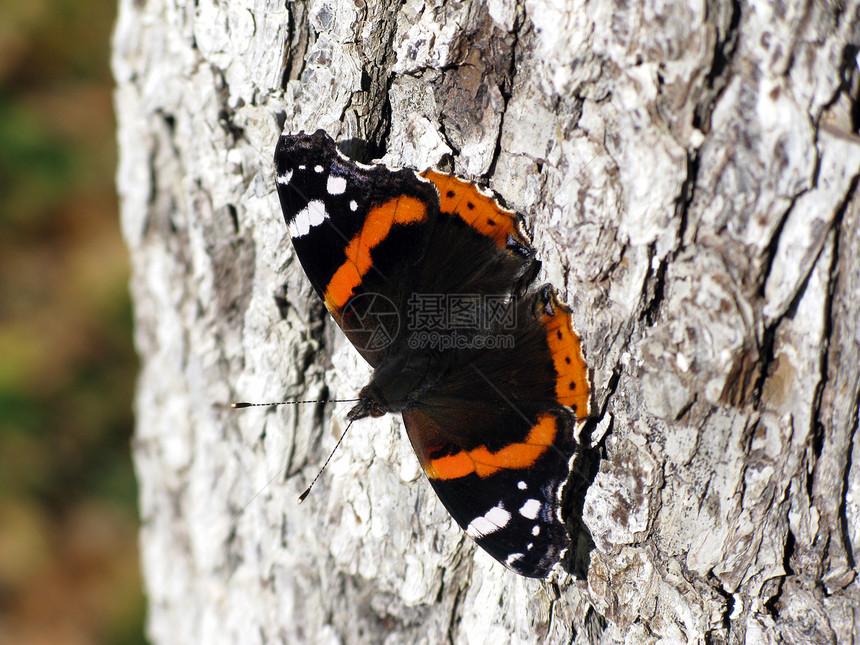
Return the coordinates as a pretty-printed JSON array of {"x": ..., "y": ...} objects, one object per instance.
[
  {"x": 688, "y": 192},
  {"x": 718, "y": 75},
  {"x": 295, "y": 49},
  {"x": 454, "y": 618},
  {"x": 818, "y": 430},
  {"x": 655, "y": 281},
  {"x": 288, "y": 59},
  {"x": 507, "y": 93},
  {"x": 376, "y": 72},
  {"x": 845, "y": 534},
  {"x": 825, "y": 370},
  {"x": 726, "y": 622}
]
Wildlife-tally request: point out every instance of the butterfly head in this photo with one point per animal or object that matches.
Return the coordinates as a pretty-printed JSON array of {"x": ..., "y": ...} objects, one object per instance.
[{"x": 370, "y": 404}]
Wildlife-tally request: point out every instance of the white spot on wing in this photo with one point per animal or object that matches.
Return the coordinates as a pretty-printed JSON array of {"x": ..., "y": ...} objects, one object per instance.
[
  {"x": 530, "y": 509},
  {"x": 318, "y": 168},
  {"x": 312, "y": 215},
  {"x": 353, "y": 205},
  {"x": 522, "y": 485},
  {"x": 512, "y": 558},
  {"x": 535, "y": 530},
  {"x": 491, "y": 521},
  {"x": 498, "y": 516},
  {"x": 336, "y": 185},
  {"x": 285, "y": 178}
]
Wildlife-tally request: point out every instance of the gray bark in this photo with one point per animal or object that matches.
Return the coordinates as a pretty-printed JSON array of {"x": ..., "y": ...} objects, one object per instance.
[{"x": 690, "y": 174}]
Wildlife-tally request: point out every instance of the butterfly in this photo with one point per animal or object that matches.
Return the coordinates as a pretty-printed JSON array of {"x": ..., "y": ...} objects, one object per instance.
[{"x": 432, "y": 280}]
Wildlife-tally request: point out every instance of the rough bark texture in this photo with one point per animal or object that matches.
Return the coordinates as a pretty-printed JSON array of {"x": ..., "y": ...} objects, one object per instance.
[{"x": 690, "y": 174}]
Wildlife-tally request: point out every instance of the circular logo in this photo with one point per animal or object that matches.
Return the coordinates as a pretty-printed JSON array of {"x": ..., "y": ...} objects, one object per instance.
[{"x": 371, "y": 321}]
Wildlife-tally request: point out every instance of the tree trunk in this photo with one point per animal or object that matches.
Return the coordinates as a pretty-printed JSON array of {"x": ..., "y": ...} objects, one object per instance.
[{"x": 689, "y": 172}]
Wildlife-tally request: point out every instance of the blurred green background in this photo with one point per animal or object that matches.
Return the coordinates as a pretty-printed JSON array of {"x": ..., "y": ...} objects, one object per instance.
[{"x": 68, "y": 520}]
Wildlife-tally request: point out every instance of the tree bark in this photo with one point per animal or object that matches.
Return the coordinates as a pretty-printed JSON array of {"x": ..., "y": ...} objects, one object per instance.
[{"x": 689, "y": 172}]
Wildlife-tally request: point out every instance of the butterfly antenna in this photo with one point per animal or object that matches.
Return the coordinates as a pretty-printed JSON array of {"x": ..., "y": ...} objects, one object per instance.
[
  {"x": 245, "y": 404},
  {"x": 336, "y": 446}
]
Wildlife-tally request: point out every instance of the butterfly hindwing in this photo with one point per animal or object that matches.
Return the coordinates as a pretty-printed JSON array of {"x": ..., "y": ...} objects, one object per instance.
[{"x": 497, "y": 446}]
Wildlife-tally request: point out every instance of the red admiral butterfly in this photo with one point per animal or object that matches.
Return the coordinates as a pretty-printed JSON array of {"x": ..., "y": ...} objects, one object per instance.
[{"x": 431, "y": 279}]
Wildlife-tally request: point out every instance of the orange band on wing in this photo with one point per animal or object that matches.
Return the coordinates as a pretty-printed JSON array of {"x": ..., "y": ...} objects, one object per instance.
[
  {"x": 571, "y": 387},
  {"x": 380, "y": 220},
  {"x": 484, "y": 463},
  {"x": 482, "y": 212}
]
